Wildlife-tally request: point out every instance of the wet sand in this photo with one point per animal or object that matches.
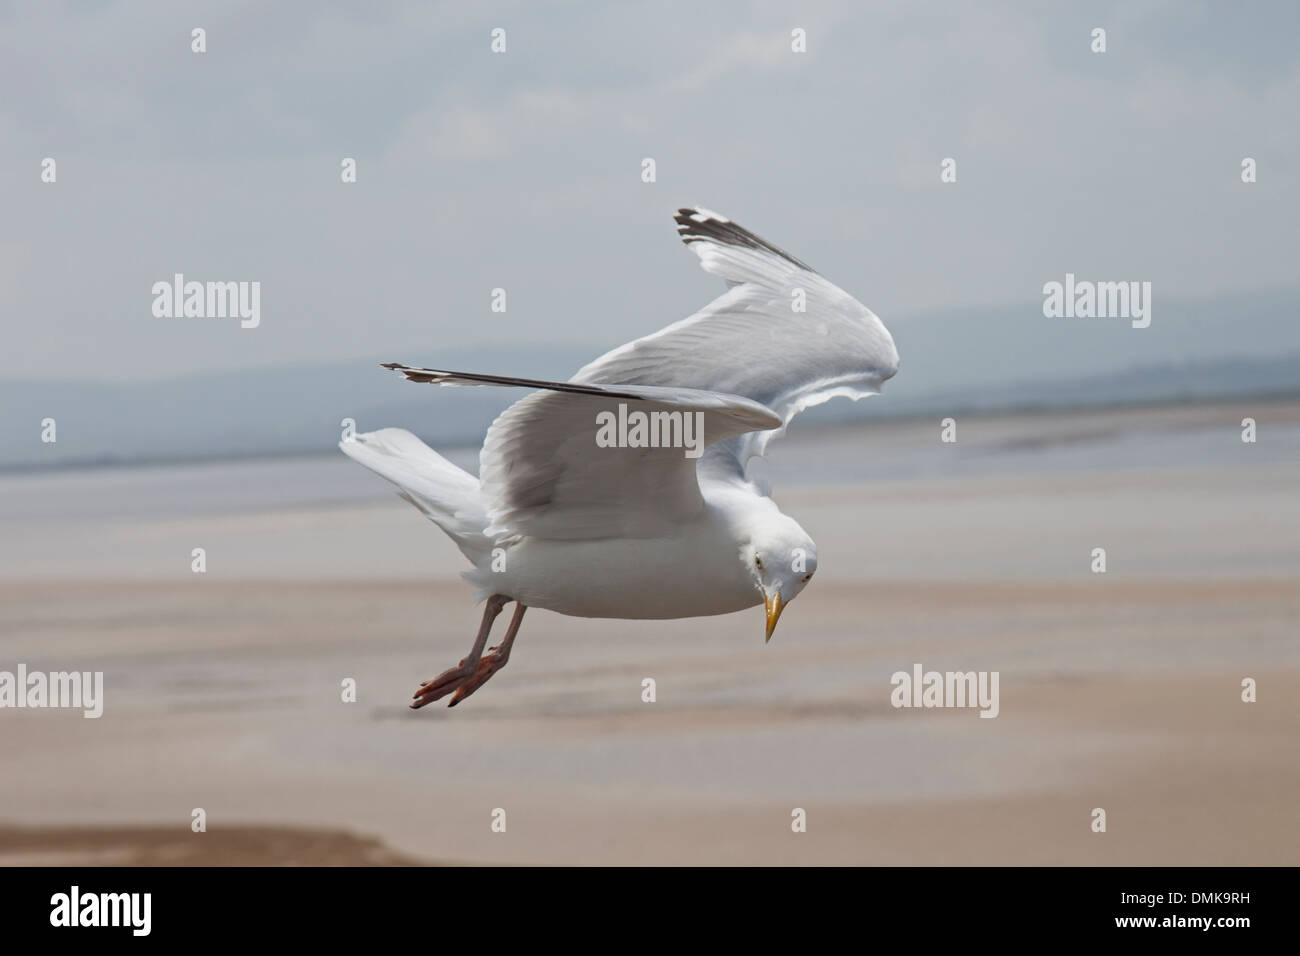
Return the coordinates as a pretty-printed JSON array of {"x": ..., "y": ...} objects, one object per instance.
[
  {"x": 226, "y": 696},
  {"x": 1119, "y": 690},
  {"x": 168, "y": 846}
]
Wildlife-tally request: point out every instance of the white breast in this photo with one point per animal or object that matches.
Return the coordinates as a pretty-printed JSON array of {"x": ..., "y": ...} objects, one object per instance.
[{"x": 694, "y": 571}]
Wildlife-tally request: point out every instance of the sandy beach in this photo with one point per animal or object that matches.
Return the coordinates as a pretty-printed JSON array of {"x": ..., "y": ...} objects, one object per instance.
[{"x": 1119, "y": 690}]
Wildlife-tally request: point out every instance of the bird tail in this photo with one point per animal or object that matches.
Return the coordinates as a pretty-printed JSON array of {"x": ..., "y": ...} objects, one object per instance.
[{"x": 448, "y": 496}]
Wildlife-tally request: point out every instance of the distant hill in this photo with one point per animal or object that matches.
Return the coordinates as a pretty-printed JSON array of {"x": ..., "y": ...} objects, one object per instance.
[
  {"x": 298, "y": 410},
  {"x": 1195, "y": 381},
  {"x": 256, "y": 412}
]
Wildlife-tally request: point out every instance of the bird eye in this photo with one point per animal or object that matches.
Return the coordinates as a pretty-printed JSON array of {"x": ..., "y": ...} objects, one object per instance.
[
  {"x": 807, "y": 577},
  {"x": 758, "y": 562}
]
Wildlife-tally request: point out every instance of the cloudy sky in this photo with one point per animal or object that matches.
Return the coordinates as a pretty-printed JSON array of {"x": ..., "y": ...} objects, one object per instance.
[{"x": 522, "y": 170}]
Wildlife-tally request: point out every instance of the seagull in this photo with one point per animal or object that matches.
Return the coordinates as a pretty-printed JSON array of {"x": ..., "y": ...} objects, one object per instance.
[{"x": 626, "y": 491}]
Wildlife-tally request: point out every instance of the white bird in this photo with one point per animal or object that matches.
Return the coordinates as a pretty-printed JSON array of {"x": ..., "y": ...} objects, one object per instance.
[{"x": 580, "y": 508}]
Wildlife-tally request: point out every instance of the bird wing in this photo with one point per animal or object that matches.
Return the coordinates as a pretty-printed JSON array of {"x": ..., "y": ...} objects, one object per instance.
[
  {"x": 754, "y": 340},
  {"x": 544, "y": 475}
]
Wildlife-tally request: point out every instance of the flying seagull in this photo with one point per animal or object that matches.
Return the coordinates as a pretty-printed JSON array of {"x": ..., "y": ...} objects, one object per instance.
[{"x": 624, "y": 492}]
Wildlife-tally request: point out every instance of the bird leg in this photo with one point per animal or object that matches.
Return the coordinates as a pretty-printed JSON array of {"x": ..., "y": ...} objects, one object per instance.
[
  {"x": 493, "y": 660},
  {"x": 474, "y": 670}
]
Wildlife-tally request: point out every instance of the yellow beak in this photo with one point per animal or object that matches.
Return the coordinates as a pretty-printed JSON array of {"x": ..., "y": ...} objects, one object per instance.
[{"x": 772, "y": 603}]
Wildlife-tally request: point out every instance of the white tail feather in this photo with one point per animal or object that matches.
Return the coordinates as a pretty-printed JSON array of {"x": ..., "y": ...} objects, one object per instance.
[{"x": 447, "y": 495}]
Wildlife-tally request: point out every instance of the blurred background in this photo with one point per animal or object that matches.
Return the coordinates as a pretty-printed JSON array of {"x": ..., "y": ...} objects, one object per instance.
[{"x": 523, "y": 170}]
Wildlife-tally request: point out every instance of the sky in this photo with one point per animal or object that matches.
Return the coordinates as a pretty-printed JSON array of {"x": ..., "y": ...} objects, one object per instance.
[{"x": 522, "y": 170}]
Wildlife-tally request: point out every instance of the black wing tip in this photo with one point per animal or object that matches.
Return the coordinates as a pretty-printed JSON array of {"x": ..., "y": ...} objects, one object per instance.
[
  {"x": 697, "y": 224},
  {"x": 422, "y": 375},
  {"x": 443, "y": 377}
]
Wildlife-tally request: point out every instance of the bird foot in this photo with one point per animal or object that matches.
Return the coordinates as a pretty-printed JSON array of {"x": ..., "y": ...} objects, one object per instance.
[{"x": 464, "y": 679}]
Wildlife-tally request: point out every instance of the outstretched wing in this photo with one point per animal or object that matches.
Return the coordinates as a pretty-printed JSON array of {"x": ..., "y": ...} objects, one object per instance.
[
  {"x": 543, "y": 473},
  {"x": 782, "y": 335}
]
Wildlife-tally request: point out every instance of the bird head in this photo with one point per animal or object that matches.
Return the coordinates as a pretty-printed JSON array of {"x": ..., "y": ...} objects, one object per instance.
[{"x": 781, "y": 559}]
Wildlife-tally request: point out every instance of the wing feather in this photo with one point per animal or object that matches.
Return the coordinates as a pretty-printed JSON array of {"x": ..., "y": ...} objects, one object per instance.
[
  {"x": 542, "y": 473},
  {"x": 781, "y": 335}
]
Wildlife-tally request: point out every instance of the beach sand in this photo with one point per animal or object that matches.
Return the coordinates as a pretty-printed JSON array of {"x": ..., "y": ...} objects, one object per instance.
[{"x": 1119, "y": 691}]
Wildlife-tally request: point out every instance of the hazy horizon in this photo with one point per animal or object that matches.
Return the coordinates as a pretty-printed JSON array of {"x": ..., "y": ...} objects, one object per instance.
[{"x": 478, "y": 171}]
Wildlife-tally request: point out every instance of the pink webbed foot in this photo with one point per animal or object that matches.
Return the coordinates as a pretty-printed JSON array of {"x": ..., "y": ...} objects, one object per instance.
[
  {"x": 463, "y": 679},
  {"x": 473, "y": 671}
]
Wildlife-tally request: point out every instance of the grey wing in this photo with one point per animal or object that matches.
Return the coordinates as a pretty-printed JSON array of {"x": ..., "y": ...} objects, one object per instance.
[
  {"x": 543, "y": 473},
  {"x": 781, "y": 335}
]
